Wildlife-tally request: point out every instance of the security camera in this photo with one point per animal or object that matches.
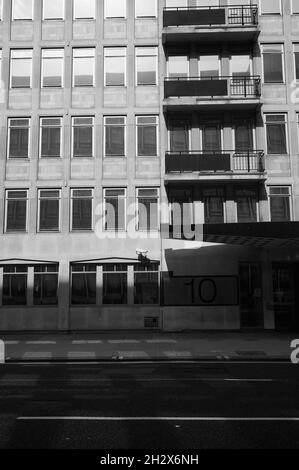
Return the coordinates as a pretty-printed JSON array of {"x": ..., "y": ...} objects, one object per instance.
[{"x": 142, "y": 253}]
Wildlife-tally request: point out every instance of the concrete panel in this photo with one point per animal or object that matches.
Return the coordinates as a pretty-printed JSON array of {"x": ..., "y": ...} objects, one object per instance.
[
  {"x": 20, "y": 98},
  {"x": 115, "y": 97},
  {"x": 278, "y": 165},
  {"x": 82, "y": 168},
  {"x": 52, "y": 98},
  {"x": 272, "y": 25},
  {"x": 105, "y": 318},
  {"x": 50, "y": 169},
  {"x": 17, "y": 170},
  {"x": 1, "y": 31},
  {"x": 295, "y": 25},
  {"x": 115, "y": 29},
  {"x": 29, "y": 318},
  {"x": 83, "y": 97},
  {"x": 147, "y": 96},
  {"x": 201, "y": 318},
  {"x": 146, "y": 28},
  {"x": 53, "y": 30},
  {"x": 147, "y": 167},
  {"x": 84, "y": 29},
  {"x": 274, "y": 94},
  {"x": 115, "y": 168},
  {"x": 22, "y": 30}
]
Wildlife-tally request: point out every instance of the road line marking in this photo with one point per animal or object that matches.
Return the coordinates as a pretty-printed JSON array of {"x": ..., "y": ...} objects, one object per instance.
[
  {"x": 123, "y": 341},
  {"x": 248, "y": 380},
  {"x": 161, "y": 341},
  {"x": 155, "y": 418},
  {"x": 11, "y": 342},
  {"x": 87, "y": 342},
  {"x": 40, "y": 342},
  {"x": 37, "y": 355},
  {"x": 109, "y": 362},
  {"x": 81, "y": 354}
]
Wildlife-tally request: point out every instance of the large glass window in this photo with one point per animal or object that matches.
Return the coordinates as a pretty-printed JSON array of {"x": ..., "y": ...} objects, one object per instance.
[
  {"x": 52, "y": 68},
  {"x": 213, "y": 199},
  {"x": 178, "y": 136},
  {"x": 22, "y": 9},
  {"x": 83, "y": 137},
  {"x": 280, "y": 203},
  {"x": 246, "y": 200},
  {"x": 21, "y": 68},
  {"x": 148, "y": 209},
  {"x": 178, "y": 66},
  {"x": 211, "y": 137},
  {"x": 276, "y": 130},
  {"x": 83, "y": 67},
  {"x": 53, "y": 9},
  {"x": 115, "y": 209},
  {"x": 243, "y": 136},
  {"x": 81, "y": 210},
  {"x": 273, "y": 63},
  {"x": 84, "y": 9},
  {"x": 209, "y": 66},
  {"x": 146, "y": 284},
  {"x": 50, "y": 137},
  {"x": 115, "y": 66},
  {"x": 83, "y": 284},
  {"x": 115, "y": 284},
  {"x": 49, "y": 209},
  {"x": 146, "y": 9},
  {"x": 146, "y": 65},
  {"x": 115, "y": 8},
  {"x": 270, "y": 7},
  {"x": 147, "y": 136},
  {"x": 45, "y": 290},
  {"x": 296, "y": 59},
  {"x": 16, "y": 210},
  {"x": 18, "y": 137},
  {"x": 14, "y": 291},
  {"x": 115, "y": 136}
]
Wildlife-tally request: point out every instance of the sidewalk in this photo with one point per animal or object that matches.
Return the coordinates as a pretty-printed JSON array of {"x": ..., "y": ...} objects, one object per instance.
[{"x": 146, "y": 346}]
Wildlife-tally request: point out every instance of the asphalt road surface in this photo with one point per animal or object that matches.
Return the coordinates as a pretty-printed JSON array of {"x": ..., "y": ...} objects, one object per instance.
[{"x": 149, "y": 406}]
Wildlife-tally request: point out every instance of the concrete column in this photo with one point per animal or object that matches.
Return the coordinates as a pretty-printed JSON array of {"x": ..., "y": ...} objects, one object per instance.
[
  {"x": 193, "y": 61},
  {"x": 195, "y": 133},
  {"x": 99, "y": 285},
  {"x": 130, "y": 285},
  {"x": 30, "y": 286},
  {"x": 64, "y": 320},
  {"x": 231, "y": 216}
]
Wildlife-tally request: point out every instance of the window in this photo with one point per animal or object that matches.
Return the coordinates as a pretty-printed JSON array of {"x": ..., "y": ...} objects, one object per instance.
[
  {"x": 246, "y": 200},
  {"x": 147, "y": 136},
  {"x": 50, "y": 137},
  {"x": 18, "y": 138},
  {"x": 49, "y": 208},
  {"x": 52, "y": 68},
  {"x": 146, "y": 284},
  {"x": 14, "y": 285},
  {"x": 280, "y": 203},
  {"x": 16, "y": 210},
  {"x": 115, "y": 66},
  {"x": 148, "y": 209},
  {"x": 276, "y": 130},
  {"x": 296, "y": 59},
  {"x": 115, "y": 8},
  {"x": 213, "y": 199},
  {"x": 21, "y": 68},
  {"x": 211, "y": 137},
  {"x": 178, "y": 136},
  {"x": 81, "y": 210},
  {"x": 176, "y": 3},
  {"x": 83, "y": 284},
  {"x": 22, "y": 9},
  {"x": 0, "y": 64},
  {"x": 115, "y": 284},
  {"x": 270, "y": 7},
  {"x": 146, "y": 65},
  {"x": 243, "y": 136},
  {"x": 45, "y": 290},
  {"x": 146, "y": 9},
  {"x": 273, "y": 63},
  {"x": 84, "y": 9},
  {"x": 240, "y": 65},
  {"x": 181, "y": 207},
  {"x": 1, "y": 9},
  {"x": 83, "y": 137},
  {"x": 83, "y": 67},
  {"x": 53, "y": 9},
  {"x": 178, "y": 66},
  {"x": 115, "y": 209},
  {"x": 115, "y": 136},
  {"x": 209, "y": 66},
  {"x": 295, "y": 7}
]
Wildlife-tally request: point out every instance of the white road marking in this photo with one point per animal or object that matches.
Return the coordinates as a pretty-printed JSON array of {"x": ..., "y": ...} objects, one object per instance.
[
  {"x": 81, "y": 354},
  {"x": 87, "y": 342},
  {"x": 177, "y": 354},
  {"x": 161, "y": 341},
  {"x": 37, "y": 355},
  {"x": 123, "y": 341},
  {"x": 11, "y": 342},
  {"x": 40, "y": 342},
  {"x": 248, "y": 380},
  {"x": 155, "y": 418}
]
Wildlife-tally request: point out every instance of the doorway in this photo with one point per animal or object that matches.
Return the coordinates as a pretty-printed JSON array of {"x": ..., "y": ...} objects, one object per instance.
[{"x": 286, "y": 296}]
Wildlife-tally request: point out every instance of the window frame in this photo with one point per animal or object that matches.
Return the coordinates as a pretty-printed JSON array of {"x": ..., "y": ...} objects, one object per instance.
[
  {"x": 53, "y": 19},
  {"x": 125, "y": 136},
  {"x": 156, "y": 65},
  {"x": 40, "y": 136},
  {"x": 124, "y": 57},
  {"x": 156, "y": 116},
  {"x": 85, "y": 18},
  {"x": 11, "y": 68},
  {"x": 116, "y": 17},
  {"x": 7, "y": 190},
  {"x": 283, "y": 64},
  {"x": 146, "y": 16},
  {"x": 74, "y": 49},
  {"x": 124, "y": 197},
  {"x": 21, "y": 19},
  {"x": 289, "y": 195},
  {"x": 92, "y": 140},
  {"x": 137, "y": 198},
  {"x": 286, "y": 123},
  {"x": 51, "y": 58},
  {"x": 58, "y": 230},
  {"x": 77, "y": 230},
  {"x": 9, "y": 137}
]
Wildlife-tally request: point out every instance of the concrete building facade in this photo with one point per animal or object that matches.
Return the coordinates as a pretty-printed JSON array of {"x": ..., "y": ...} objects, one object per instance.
[{"x": 117, "y": 113}]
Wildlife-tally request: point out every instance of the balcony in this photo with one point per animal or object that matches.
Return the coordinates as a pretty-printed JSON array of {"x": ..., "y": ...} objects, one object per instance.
[
  {"x": 226, "y": 92},
  {"x": 210, "y": 23},
  {"x": 194, "y": 165}
]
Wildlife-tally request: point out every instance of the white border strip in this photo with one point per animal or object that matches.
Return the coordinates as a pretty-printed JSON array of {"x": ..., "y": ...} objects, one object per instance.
[{"x": 155, "y": 418}]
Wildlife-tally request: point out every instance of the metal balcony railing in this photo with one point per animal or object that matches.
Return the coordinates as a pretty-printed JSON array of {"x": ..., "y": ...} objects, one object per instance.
[
  {"x": 237, "y": 15},
  {"x": 252, "y": 161},
  {"x": 223, "y": 86}
]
